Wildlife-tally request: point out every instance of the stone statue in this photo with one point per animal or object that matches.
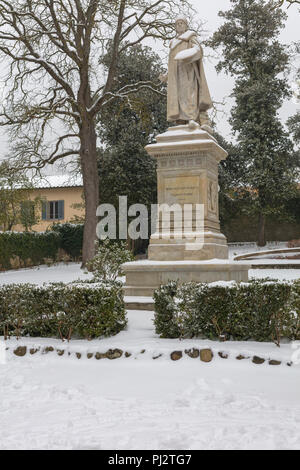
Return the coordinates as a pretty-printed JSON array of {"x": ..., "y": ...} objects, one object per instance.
[{"x": 188, "y": 93}]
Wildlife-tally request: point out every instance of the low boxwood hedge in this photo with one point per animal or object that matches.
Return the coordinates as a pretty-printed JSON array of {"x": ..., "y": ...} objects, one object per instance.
[
  {"x": 57, "y": 310},
  {"x": 259, "y": 310}
]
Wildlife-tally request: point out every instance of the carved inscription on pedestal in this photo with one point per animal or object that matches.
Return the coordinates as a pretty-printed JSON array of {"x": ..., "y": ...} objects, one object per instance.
[{"x": 182, "y": 190}]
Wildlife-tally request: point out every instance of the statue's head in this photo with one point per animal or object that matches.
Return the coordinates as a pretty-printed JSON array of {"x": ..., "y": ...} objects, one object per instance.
[{"x": 181, "y": 24}]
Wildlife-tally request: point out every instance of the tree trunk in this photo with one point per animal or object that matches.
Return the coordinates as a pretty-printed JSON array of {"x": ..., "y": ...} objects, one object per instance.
[
  {"x": 261, "y": 230},
  {"x": 88, "y": 156}
]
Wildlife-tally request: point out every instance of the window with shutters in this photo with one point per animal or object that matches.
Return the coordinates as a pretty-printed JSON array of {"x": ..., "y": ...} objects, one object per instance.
[{"x": 53, "y": 210}]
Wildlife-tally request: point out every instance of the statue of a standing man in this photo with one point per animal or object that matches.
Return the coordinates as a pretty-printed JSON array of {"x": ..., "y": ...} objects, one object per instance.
[{"x": 188, "y": 93}]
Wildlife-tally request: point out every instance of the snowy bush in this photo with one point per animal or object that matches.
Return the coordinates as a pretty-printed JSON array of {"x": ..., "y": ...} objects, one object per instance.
[
  {"x": 106, "y": 264},
  {"x": 84, "y": 311},
  {"x": 259, "y": 311}
]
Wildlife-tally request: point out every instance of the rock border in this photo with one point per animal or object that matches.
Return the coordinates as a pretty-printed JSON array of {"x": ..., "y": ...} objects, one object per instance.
[{"x": 205, "y": 355}]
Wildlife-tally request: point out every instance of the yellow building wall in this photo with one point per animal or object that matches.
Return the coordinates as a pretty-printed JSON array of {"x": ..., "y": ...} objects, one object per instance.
[{"x": 69, "y": 195}]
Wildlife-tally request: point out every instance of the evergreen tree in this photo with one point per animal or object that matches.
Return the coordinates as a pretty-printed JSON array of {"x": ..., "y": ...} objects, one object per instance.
[
  {"x": 294, "y": 127},
  {"x": 293, "y": 124},
  {"x": 127, "y": 126},
  {"x": 294, "y": 121},
  {"x": 252, "y": 53},
  {"x": 231, "y": 173}
]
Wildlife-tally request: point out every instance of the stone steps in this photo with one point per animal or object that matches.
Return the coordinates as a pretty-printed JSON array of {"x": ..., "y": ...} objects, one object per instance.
[{"x": 139, "y": 303}]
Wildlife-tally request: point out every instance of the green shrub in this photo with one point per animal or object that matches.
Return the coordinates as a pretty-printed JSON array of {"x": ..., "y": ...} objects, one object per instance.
[
  {"x": 259, "y": 311},
  {"x": 22, "y": 249},
  {"x": 71, "y": 238},
  {"x": 166, "y": 318},
  {"x": 262, "y": 311},
  {"x": 107, "y": 263},
  {"x": 30, "y": 247},
  {"x": 58, "y": 310}
]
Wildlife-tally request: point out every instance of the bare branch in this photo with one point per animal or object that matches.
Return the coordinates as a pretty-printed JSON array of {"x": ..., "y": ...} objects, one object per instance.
[
  {"x": 280, "y": 3},
  {"x": 123, "y": 92},
  {"x": 115, "y": 48}
]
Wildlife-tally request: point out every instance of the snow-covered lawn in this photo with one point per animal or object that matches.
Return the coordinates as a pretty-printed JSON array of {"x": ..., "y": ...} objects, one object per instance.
[
  {"x": 38, "y": 275},
  {"x": 51, "y": 402},
  {"x": 58, "y": 403},
  {"x": 72, "y": 272},
  {"x": 61, "y": 404},
  {"x": 281, "y": 274}
]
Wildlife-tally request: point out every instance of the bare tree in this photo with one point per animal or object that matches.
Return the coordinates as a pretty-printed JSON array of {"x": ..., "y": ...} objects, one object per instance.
[{"x": 53, "y": 49}]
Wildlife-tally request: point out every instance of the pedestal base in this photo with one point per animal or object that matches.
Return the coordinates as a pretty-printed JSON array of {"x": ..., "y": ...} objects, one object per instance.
[
  {"x": 143, "y": 277},
  {"x": 214, "y": 245}
]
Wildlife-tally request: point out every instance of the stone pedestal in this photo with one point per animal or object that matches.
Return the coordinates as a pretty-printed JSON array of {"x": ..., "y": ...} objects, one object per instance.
[
  {"x": 187, "y": 244},
  {"x": 187, "y": 174}
]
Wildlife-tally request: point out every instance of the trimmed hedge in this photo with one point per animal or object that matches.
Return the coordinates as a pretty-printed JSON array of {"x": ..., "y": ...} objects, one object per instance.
[
  {"x": 30, "y": 247},
  {"x": 58, "y": 310},
  {"x": 22, "y": 249},
  {"x": 71, "y": 238},
  {"x": 259, "y": 311}
]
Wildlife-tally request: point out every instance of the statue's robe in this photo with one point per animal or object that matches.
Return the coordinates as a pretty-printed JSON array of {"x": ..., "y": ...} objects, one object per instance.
[{"x": 188, "y": 93}]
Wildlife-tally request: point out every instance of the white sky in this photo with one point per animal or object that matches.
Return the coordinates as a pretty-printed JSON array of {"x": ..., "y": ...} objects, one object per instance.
[{"x": 221, "y": 85}]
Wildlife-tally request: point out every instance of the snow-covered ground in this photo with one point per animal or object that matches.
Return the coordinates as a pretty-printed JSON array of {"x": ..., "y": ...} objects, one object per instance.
[
  {"x": 59, "y": 403},
  {"x": 236, "y": 249},
  {"x": 72, "y": 272},
  {"x": 51, "y": 402},
  {"x": 38, "y": 275},
  {"x": 281, "y": 274}
]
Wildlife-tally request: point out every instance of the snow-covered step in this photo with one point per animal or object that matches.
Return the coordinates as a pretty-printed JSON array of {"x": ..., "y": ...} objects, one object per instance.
[{"x": 139, "y": 303}]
